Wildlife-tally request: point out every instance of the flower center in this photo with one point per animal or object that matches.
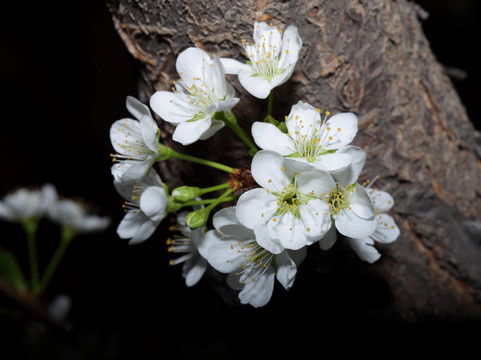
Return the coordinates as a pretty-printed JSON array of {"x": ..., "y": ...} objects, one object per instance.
[
  {"x": 264, "y": 58},
  {"x": 338, "y": 199}
]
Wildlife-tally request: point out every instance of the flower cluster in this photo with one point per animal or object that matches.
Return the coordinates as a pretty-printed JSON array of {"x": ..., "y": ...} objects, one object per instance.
[{"x": 300, "y": 188}]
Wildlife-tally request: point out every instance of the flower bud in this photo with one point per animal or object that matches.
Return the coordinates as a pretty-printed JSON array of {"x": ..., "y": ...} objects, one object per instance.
[
  {"x": 197, "y": 218},
  {"x": 184, "y": 193}
]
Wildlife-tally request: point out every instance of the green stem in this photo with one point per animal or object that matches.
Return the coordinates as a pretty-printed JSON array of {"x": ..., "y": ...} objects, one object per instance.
[
  {"x": 213, "y": 188},
  {"x": 219, "y": 199},
  {"x": 270, "y": 101},
  {"x": 208, "y": 201},
  {"x": 215, "y": 165},
  {"x": 65, "y": 240},
  {"x": 30, "y": 227},
  {"x": 231, "y": 121}
]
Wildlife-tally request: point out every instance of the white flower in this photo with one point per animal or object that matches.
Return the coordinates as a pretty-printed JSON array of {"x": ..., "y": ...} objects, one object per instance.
[
  {"x": 198, "y": 95},
  {"x": 272, "y": 59},
  {"x": 350, "y": 205},
  {"x": 386, "y": 230},
  {"x": 249, "y": 266},
  {"x": 310, "y": 139},
  {"x": 287, "y": 212},
  {"x": 194, "y": 245},
  {"x": 136, "y": 143},
  {"x": 146, "y": 205},
  {"x": 77, "y": 216},
  {"x": 26, "y": 204}
]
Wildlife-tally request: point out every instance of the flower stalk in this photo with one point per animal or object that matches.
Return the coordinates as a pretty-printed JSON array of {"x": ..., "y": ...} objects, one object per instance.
[
  {"x": 30, "y": 227},
  {"x": 231, "y": 121}
]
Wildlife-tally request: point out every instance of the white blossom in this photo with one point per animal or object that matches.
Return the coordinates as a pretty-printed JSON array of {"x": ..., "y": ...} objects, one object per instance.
[
  {"x": 201, "y": 92},
  {"x": 310, "y": 139},
  {"x": 135, "y": 141},
  {"x": 25, "y": 204},
  {"x": 249, "y": 266},
  {"x": 386, "y": 230},
  {"x": 272, "y": 59},
  {"x": 287, "y": 211},
  {"x": 193, "y": 244},
  {"x": 145, "y": 207}
]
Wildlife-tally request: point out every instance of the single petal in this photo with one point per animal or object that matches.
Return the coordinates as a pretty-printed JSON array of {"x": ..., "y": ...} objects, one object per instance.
[
  {"x": 291, "y": 45},
  {"x": 351, "y": 225},
  {"x": 316, "y": 218},
  {"x": 361, "y": 203},
  {"x": 171, "y": 108},
  {"x": 382, "y": 201},
  {"x": 202, "y": 242},
  {"x": 333, "y": 162},
  {"x": 190, "y": 63},
  {"x": 131, "y": 170},
  {"x": 387, "y": 231},
  {"x": 222, "y": 254},
  {"x": 315, "y": 182},
  {"x": 270, "y": 170},
  {"x": 256, "y": 85},
  {"x": 135, "y": 226},
  {"x": 233, "y": 67},
  {"x": 221, "y": 105},
  {"x": 6, "y": 213},
  {"x": 137, "y": 108},
  {"x": 269, "y": 137},
  {"x": 329, "y": 238},
  {"x": 216, "y": 125},
  {"x": 258, "y": 291},
  {"x": 349, "y": 175},
  {"x": 193, "y": 270},
  {"x": 149, "y": 128},
  {"x": 286, "y": 270},
  {"x": 263, "y": 239},
  {"x": 343, "y": 130},
  {"x": 301, "y": 119},
  {"x": 189, "y": 132},
  {"x": 217, "y": 80},
  {"x": 288, "y": 231},
  {"x": 364, "y": 249},
  {"x": 153, "y": 202},
  {"x": 280, "y": 79},
  {"x": 225, "y": 216},
  {"x": 124, "y": 133},
  {"x": 255, "y": 206}
]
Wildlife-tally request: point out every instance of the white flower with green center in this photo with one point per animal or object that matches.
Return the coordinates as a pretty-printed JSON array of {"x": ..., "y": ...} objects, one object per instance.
[
  {"x": 386, "y": 230},
  {"x": 287, "y": 212},
  {"x": 350, "y": 205},
  {"x": 272, "y": 59},
  {"x": 250, "y": 268},
  {"x": 311, "y": 138},
  {"x": 194, "y": 245},
  {"x": 146, "y": 205},
  {"x": 28, "y": 204},
  {"x": 135, "y": 141},
  {"x": 201, "y": 92}
]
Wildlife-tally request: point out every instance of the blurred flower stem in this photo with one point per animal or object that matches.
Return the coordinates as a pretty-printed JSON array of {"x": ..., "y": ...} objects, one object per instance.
[{"x": 30, "y": 228}]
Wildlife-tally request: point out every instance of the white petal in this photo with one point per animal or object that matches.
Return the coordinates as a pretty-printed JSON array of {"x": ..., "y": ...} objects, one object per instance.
[
  {"x": 316, "y": 218},
  {"x": 171, "y": 108},
  {"x": 137, "y": 108},
  {"x": 193, "y": 270},
  {"x": 217, "y": 81},
  {"x": 216, "y": 125},
  {"x": 292, "y": 42},
  {"x": 135, "y": 226},
  {"x": 255, "y": 206},
  {"x": 315, "y": 183},
  {"x": 351, "y": 225},
  {"x": 221, "y": 105},
  {"x": 329, "y": 239},
  {"x": 189, "y": 64},
  {"x": 361, "y": 203},
  {"x": 333, "y": 162},
  {"x": 364, "y": 249},
  {"x": 225, "y": 216},
  {"x": 258, "y": 293},
  {"x": 131, "y": 170},
  {"x": 149, "y": 128},
  {"x": 257, "y": 86},
  {"x": 189, "y": 132},
  {"x": 381, "y": 200},
  {"x": 6, "y": 213},
  {"x": 222, "y": 254},
  {"x": 301, "y": 117},
  {"x": 387, "y": 231},
  {"x": 288, "y": 231},
  {"x": 347, "y": 122},
  {"x": 349, "y": 175},
  {"x": 282, "y": 78},
  {"x": 153, "y": 202},
  {"x": 233, "y": 67},
  {"x": 286, "y": 270},
  {"x": 269, "y": 137},
  {"x": 263, "y": 239},
  {"x": 270, "y": 170},
  {"x": 123, "y": 133}
]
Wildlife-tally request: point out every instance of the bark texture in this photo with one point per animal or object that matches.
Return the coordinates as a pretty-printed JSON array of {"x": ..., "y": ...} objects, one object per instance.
[{"x": 371, "y": 58}]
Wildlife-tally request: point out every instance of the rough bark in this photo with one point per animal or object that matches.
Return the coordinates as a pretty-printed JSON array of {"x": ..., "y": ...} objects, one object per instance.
[{"x": 371, "y": 58}]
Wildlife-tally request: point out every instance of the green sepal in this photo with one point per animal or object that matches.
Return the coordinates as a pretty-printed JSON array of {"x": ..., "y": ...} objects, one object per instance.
[
  {"x": 197, "y": 116},
  {"x": 197, "y": 218},
  {"x": 270, "y": 119},
  {"x": 164, "y": 152}
]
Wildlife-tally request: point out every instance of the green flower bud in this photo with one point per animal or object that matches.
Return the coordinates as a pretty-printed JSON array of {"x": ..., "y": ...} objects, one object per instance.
[
  {"x": 184, "y": 193},
  {"x": 197, "y": 218}
]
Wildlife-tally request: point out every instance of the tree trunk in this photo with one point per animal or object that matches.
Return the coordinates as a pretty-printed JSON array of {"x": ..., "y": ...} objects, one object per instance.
[{"x": 371, "y": 58}]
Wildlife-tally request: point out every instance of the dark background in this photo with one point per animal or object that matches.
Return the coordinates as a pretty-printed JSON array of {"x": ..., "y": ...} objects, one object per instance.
[{"x": 64, "y": 76}]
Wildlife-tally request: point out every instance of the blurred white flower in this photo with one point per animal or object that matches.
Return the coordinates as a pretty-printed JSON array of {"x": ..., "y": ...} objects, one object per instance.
[
  {"x": 272, "y": 59},
  {"x": 201, "y": 92},
  {"x": 25, "y": 204}
]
